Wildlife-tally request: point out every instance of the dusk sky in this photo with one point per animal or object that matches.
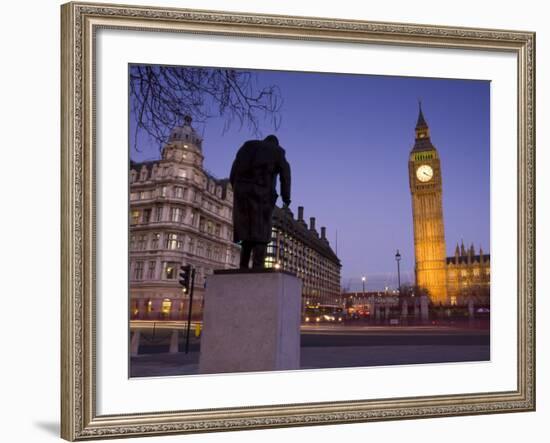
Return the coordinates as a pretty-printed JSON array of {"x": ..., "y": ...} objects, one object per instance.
[{"x": 347, "y": 139}]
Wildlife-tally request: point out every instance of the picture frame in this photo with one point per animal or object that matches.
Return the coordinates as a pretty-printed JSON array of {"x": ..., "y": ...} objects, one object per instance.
[{"x": 81, "y": 22}]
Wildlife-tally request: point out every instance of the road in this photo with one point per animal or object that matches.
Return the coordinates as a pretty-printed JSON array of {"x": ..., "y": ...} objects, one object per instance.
[
  {"x": 327, "y": 346},
  {"x": 392, "y": 336}
]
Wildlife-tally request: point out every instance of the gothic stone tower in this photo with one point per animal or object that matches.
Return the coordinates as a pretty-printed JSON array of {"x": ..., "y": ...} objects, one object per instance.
[{"x": 429, "y": 232}]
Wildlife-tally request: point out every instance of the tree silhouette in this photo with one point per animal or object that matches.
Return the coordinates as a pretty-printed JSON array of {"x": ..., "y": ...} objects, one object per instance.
[{"x": 161, "y": 96}]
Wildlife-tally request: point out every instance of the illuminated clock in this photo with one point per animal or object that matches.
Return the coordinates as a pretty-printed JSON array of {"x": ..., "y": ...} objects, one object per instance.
[{"x": 424, "y": 173}]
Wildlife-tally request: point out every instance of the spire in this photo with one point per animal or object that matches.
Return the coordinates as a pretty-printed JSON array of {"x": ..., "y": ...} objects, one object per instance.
[
  {"x": 422, "y": 131},
  {"x": 462, "y": 250},
  {"x": 421, "y": 123}
]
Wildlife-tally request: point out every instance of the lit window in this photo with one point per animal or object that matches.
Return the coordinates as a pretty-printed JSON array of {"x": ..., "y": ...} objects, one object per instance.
[
  {"x": 135, "y": 218},
  {"x": 182, "y": 173},
  {"x": 169, "y": 270},
  {"x": 173, "y": 241},
  {"x": 166, "y": 306}
]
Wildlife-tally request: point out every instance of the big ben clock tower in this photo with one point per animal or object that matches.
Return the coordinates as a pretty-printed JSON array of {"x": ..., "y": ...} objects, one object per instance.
[{"x": 429, "y": 231}]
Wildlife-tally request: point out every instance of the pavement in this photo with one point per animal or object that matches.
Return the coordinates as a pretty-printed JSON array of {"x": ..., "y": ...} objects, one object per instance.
[
  {"x": 165, "y": 364},
  {"x": 337, "y": 347}
]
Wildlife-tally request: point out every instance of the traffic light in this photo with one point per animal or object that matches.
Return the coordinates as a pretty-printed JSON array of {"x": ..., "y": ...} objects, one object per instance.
[{"x": 185, "y": 277}]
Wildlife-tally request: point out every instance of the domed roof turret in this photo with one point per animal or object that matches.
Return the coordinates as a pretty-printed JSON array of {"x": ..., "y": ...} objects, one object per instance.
[{"x": 186, "y": 133}]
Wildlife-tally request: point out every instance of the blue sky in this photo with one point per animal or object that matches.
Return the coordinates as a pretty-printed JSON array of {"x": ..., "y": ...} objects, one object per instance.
[{"x": 347, "y": 139}]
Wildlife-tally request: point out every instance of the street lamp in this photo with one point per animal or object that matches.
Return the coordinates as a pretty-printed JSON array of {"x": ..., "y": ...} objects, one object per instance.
[
  {"x": 363, "y": 279},
  {"x": 398, "y": 259}
]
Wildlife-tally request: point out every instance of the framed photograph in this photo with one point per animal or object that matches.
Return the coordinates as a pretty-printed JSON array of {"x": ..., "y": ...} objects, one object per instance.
[{"x": 277, "y": 221}]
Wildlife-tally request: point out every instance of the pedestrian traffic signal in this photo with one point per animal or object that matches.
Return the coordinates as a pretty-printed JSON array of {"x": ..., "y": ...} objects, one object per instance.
[{"x": 185, "y": 277}]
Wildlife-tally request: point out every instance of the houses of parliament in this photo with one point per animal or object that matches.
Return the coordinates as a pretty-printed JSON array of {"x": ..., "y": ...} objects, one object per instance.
[{"x": 448, "y": 280}]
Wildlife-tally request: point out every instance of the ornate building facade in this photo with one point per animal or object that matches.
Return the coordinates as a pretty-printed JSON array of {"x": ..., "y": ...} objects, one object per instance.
[
  {"x": 298, "y": 248},
  {"x": 448, "y": 280},
  {"x": 179, "y": 215},
  {"x": 468, "y": 276}
]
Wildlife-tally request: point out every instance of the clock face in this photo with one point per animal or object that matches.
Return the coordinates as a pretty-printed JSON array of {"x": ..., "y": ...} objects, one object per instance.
[{"x": 424, "y": 173}]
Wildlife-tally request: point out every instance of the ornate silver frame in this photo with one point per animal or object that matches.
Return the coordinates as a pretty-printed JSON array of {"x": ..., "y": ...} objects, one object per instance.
[{"x": 79, "y": 420}]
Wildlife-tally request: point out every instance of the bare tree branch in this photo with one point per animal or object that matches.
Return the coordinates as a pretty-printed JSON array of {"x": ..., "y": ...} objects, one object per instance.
[{"x": 162, "y": 95}]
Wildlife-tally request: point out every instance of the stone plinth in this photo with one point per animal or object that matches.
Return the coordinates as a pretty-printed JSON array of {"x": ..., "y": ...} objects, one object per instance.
[{"x": 251, "y": 322}]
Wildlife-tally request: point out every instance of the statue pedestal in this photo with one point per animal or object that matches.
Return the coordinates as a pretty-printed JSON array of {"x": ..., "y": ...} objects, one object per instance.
[{"x": 251, "y": 322}]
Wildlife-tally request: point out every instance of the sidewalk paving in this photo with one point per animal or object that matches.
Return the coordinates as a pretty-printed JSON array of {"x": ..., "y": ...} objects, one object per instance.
[{"x": 165, "y": 364}]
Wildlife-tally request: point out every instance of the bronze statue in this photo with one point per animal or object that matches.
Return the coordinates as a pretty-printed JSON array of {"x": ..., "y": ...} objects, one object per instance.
[{"x": 253, "y": 178}]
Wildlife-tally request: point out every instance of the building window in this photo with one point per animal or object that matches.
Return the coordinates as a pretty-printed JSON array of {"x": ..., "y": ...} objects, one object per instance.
[
  {"x": 141, "y": 242},
  {"x": 155, "y": 240},
  {"x": 134, "y": 217},
  {"x": 134, "y": 196},
  {"x": 173, "y": 241},
  {"x": 179, "y": 192},
  {"x": 166, "y": 306},
  {"x": 218, "y": 230},
  {"x": 158, "y": 213},
  {"x": 151, "y": 270},
  {"x": 132, "y": 242},
  {"x": 147, "y": 215},
  {"x": 138, "y": 270},
  {"x": 163, "y": 191},
  {"x": 169, "y": 270},
  {"x": 182, "y": 173},
  {"x": 177, "y": 215},
  {"x": 200, "y": 249},
  {"x": 191, "y": 246}
]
